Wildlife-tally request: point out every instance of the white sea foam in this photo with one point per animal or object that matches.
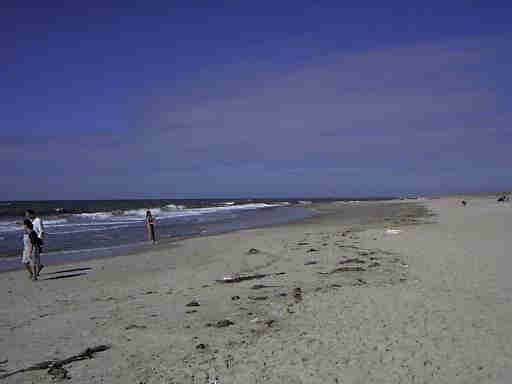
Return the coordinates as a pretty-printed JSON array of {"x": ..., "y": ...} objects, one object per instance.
[
  {"x": 9, "y": 222},
  {"x": 10, "y": 226},
  {"x": 201, "y": 211},
  {"x": 175, "y": 207},
  {"x": 96, "y": 215},
  {"x": 54, "y": 222},
  {"x": 105, "y": 220},
  {"x": 178, "y": 211},
  {"x": 99, "y": 223},
  {"x": 5, "y": 229},
  {"x": 135, "y": 216},
  {"x": 103, "y": 228},
  {"x": 13, "y": 226},
  {"x": 142, "y": 212}
]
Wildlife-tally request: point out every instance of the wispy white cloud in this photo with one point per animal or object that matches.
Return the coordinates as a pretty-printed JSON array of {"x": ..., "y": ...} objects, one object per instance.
[
  {"x": 416, "y": 95},
  {"x": 381, "y": 120}
]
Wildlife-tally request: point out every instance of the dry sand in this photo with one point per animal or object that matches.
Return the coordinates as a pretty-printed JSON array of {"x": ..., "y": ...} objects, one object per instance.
[{"x": 424, "y": 305}]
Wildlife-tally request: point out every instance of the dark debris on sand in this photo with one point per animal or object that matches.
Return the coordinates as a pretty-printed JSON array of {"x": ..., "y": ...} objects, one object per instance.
[
  {"x": 221, "y": 324},
  {"x": 135, "y": 326}
]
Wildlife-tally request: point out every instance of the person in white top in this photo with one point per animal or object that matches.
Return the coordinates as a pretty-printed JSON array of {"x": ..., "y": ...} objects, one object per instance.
[{"x": 37, "y": 222}]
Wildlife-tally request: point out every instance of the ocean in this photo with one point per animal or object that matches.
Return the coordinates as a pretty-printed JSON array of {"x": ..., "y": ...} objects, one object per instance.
[{"x": 80, "y": 230}]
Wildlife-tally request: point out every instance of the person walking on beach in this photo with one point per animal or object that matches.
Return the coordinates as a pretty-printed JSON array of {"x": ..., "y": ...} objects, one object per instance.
[
  {"x": 37, "y": 223},
  {"x": 30, "y": 257},
  {"x": 150, "y": 225}
]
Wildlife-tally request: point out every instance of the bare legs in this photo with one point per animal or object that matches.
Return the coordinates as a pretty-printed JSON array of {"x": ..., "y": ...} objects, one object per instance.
[
  {"x": 151, "y": 233},
  {"x": 35, "y": 271},
  {"x": 33, "y": 268},
  {"x": 36, "y": 265},
  {"x": 28, "y": 267}
]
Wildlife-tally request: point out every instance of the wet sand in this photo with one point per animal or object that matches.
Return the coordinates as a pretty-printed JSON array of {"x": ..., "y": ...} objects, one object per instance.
[{"x": 334, "y": 301}]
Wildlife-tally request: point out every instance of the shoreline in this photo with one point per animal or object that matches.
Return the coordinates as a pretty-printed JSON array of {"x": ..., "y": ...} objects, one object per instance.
[
  {"x": 50, "y": 209},
  {"x": 373, "y": 307},
  {"x": 141, "y": 248}
]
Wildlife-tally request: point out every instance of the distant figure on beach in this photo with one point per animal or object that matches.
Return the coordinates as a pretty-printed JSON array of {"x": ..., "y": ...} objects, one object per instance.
[
  {"x": 30, "y": 257},
  {"x": 37, "y": 223},
  {"x": 150, "y": 225},
  {"x": 463, "y": 202}
]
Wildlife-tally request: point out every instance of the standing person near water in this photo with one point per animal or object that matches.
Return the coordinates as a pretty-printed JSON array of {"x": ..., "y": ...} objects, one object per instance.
[
  {"x": 30, "y": 256},
  {"x": 37, "y": 223},
  {"x": 150, "y": 225}
]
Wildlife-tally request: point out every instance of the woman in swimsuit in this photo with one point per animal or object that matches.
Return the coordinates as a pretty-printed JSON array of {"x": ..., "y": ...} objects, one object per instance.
[{"x": 150, "y": 225}]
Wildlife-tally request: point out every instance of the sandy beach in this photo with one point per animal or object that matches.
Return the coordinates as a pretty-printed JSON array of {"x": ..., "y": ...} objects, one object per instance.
[{"x": 418, "y": 292}]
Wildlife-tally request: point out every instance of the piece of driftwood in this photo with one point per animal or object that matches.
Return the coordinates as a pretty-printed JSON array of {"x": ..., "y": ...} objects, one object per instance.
[
  {"x": 262, "y": 286},
  {"x": 348, "y": 261},
  {"x": 55, "y": 365},
  {"x": 135, "y": 326},
  {"x": 236, "y": 278},
  {"x": 223, "y": 323},
  {"x": 239, "y": 278},
  {"x": 258, "y": 297},
  {"x": 348, "y": 269}
]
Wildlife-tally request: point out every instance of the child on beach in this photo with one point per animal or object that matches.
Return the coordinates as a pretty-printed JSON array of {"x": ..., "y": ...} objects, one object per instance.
[
  {"x": 30, "y": 256},
  {"x": 150, "y": 225}
]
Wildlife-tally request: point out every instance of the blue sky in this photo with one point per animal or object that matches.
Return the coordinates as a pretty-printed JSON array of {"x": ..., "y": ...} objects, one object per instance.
[{"x": 252, "y": 99}]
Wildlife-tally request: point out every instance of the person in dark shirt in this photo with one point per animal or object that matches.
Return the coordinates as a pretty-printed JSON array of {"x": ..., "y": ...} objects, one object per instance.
[{"x": 30, "y": 257}]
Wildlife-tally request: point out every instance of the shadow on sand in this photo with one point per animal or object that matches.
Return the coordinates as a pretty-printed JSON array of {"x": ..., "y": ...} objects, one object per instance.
[
  {"x": 68, "y": 271},
  {"x": 65, "y": 276}
]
